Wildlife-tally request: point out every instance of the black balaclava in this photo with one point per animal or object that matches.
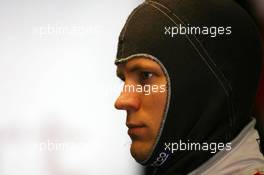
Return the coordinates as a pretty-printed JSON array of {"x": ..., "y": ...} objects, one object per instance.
[{"x": 212, "y": 81}]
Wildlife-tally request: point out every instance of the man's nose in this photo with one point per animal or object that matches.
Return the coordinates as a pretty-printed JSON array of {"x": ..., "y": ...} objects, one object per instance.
[{"x": 129, "y": 101}]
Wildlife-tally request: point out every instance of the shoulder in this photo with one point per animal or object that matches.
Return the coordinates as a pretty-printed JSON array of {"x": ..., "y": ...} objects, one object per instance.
[{"x": 244, "y": 158}]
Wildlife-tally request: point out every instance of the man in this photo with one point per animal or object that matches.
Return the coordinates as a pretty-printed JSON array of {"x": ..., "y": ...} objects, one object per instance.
[{"x": 201, "y": 60}]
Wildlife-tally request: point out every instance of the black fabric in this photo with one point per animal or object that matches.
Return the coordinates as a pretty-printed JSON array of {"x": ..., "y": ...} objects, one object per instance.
[
  {"x": 260, "y": 128},
  {"x": 213, "y": 79}
]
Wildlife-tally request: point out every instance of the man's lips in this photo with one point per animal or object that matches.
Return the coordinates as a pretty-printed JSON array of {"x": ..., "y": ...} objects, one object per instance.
[{"x": 135, "y": 129}]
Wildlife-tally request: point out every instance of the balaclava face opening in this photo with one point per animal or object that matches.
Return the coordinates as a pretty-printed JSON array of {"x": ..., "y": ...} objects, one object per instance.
[{"x": 211, "y": 80}]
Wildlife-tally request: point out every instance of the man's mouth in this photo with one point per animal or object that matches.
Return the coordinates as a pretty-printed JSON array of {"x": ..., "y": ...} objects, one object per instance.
[{"x": 135, "y": 129}]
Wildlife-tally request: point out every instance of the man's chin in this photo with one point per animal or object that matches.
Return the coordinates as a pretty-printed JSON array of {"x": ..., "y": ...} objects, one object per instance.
[{"x": 139, "y": 151}]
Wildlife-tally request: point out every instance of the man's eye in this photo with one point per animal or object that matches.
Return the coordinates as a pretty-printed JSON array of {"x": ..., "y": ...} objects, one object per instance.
[{"x": 145, "y": 76}]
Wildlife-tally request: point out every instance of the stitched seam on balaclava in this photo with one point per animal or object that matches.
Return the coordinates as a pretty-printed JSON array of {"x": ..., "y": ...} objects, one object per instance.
[
  {"x": 126, "y": 25},
  {"x": 232, "y": 112},
  {"x": 228, "y": 93}
]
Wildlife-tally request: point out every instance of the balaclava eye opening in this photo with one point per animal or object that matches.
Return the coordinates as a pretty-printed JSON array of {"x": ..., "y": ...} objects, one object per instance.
[{"x": 212, "y": 76}]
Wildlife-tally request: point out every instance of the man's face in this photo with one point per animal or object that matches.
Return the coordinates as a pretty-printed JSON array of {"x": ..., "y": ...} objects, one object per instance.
[{"x": 144, "y": 107}]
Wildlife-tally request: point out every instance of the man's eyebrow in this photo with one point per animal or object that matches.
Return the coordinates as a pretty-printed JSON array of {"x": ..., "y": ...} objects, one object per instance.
[
  {"x": 137, "y": 67},
  {"x": 130, "y": 68},
  {"x": 134, "y": 68}
]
